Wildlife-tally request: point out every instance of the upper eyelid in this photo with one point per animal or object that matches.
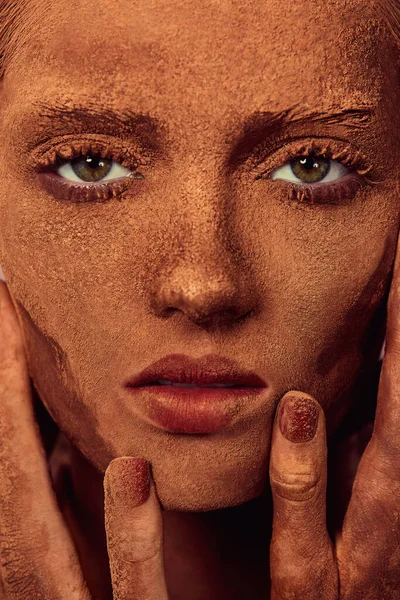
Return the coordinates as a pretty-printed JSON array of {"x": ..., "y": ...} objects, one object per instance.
[
  {"x": 63, "y": 160},
  {"x": 276, "y": 150},
  {"x": 298, "y": 150},
  {"x": 334, "y": 148},
  {"x": 52, "y": 154}
]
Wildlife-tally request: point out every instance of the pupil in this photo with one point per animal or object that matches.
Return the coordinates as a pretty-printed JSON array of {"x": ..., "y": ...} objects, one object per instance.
[
  {"x": 308, "y": 162},
  {"x": 311, "y": 168},
  {"x": 94, "y": 162}
]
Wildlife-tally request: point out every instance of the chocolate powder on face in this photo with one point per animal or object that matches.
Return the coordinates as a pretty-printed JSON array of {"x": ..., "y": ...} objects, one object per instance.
[{"x": 215, "y": 97}]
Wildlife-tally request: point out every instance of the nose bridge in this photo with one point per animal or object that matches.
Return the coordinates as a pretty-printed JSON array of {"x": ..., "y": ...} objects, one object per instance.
[
  {"x": 204, "y": 202},
  {"x": 203, "y": 276}
]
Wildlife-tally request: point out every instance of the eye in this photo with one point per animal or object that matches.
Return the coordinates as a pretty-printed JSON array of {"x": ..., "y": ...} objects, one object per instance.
[
  {"x": 92, "y": 169},
  {"x": 311, "y": 168}
]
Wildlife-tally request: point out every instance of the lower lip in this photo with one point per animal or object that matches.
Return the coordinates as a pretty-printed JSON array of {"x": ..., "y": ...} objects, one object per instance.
[{"x": 197, "y": 409}]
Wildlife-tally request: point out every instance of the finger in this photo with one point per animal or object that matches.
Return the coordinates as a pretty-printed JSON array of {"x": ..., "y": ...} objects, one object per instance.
[
  {"x": 134, "y": 531},
  {"x": 387, "y": 418},
  {"x": 37, "y": 557},
  {"x": 372, "y": 521},
  {"x": 302, "y": 559},
  {"x": 368, "y": 548}
]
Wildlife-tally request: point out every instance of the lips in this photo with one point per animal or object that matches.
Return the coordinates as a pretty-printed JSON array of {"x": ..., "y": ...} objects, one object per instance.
[
  {"x": 211, "y": 370},
  {"x": 183, "y": 395},
  {"x": 194, "y": 385}
]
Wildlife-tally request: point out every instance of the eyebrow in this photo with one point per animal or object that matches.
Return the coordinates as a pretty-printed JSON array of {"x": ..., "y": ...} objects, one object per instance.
[
  {"x": 353, "y": 117},
  {"x": 266, "y": 124},
  {"x": 56, "y": 116},
  {"x": 126, "y": 118}
]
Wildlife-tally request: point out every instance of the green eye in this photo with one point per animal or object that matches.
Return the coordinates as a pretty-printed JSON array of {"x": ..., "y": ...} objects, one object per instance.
[
  {"x": 311, "y": 169},
  {"x": 92, "y": 169}
]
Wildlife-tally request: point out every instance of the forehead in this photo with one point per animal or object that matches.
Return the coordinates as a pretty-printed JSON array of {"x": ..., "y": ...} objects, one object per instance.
[{"x": 205, "y": 58}]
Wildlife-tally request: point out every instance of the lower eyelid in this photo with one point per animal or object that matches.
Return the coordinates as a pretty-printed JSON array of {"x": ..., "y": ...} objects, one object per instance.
[
  {"x": 65, "y": 191},
  {"x": 341, "y": 191}
]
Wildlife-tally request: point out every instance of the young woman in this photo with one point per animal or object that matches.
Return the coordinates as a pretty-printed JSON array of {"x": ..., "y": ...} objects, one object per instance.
[{"x": 199, "y": 214}]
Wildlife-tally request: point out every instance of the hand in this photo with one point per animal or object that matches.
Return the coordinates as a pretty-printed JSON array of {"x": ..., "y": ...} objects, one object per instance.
[
  {"x": 363, "y": 562},
  {"x": 37, "y": 554}
]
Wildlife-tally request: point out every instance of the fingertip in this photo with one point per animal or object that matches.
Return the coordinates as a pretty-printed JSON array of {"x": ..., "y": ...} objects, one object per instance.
[
  {"x": 298, "y": 415},
  {"x": 127, "y": 481},
  {"x": 134, "y": 529},
  {"x": 298, "y": 449}
]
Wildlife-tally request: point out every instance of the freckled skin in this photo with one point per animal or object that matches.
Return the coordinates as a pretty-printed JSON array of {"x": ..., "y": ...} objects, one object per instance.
[{"x": 93, "y": 281}]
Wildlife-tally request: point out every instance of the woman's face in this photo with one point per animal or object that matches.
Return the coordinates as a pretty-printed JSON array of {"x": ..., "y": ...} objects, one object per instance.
[{"x": 238, "y": 238}]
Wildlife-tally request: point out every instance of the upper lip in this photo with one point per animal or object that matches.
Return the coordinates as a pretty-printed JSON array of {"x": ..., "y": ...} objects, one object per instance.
[{"x": 207, "y": 370}]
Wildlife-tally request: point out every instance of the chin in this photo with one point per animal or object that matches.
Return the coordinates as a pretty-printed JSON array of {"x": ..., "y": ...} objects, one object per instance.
[{"x": 201, "y": 494}]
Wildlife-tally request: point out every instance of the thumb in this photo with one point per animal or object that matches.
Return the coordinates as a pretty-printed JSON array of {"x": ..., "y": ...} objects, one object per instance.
[{"x": 301, "y": 556}]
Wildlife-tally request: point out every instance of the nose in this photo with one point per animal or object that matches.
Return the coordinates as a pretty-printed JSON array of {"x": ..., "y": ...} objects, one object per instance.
[
  {"x": 208, "y": 295},
  {"x": 207, "y": 281}
]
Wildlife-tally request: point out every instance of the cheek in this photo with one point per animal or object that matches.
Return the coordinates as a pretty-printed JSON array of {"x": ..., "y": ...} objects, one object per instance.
[
  {"x": 50, "y": 370},
  {"x": 358, "y": 317},
  {"x": 325, "y": 273},
  {"x": 321, "y": 273}
]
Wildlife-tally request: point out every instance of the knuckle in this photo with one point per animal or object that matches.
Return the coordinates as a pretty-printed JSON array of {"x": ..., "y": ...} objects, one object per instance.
[
  {"x": 143, "y": 548},
  {"x": 19, "y": 577},
  {"x": 140, "y": 554},
  {"x": 381, "y": 466},
  {"x": 295, "y": 487},
  {"x": 20, "y": 584},
  {"x": 305, "y": 580}
]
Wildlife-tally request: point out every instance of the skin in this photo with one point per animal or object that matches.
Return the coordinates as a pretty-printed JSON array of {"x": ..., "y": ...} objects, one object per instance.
[
  {"x": 307, "y": 563},
  {"x": 189, "y": 250}
]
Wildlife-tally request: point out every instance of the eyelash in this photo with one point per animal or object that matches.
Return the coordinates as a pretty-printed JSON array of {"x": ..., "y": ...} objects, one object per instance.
[
  {"x": 322, "y": 193},
  {"x": 319, "y": 193},
  {"x": 98, "y": 192}
]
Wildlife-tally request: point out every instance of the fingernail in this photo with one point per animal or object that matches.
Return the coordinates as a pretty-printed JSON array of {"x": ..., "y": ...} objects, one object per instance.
[
  {"x": 298, "y": 418},
  {"x": 129, "y": 480}
]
